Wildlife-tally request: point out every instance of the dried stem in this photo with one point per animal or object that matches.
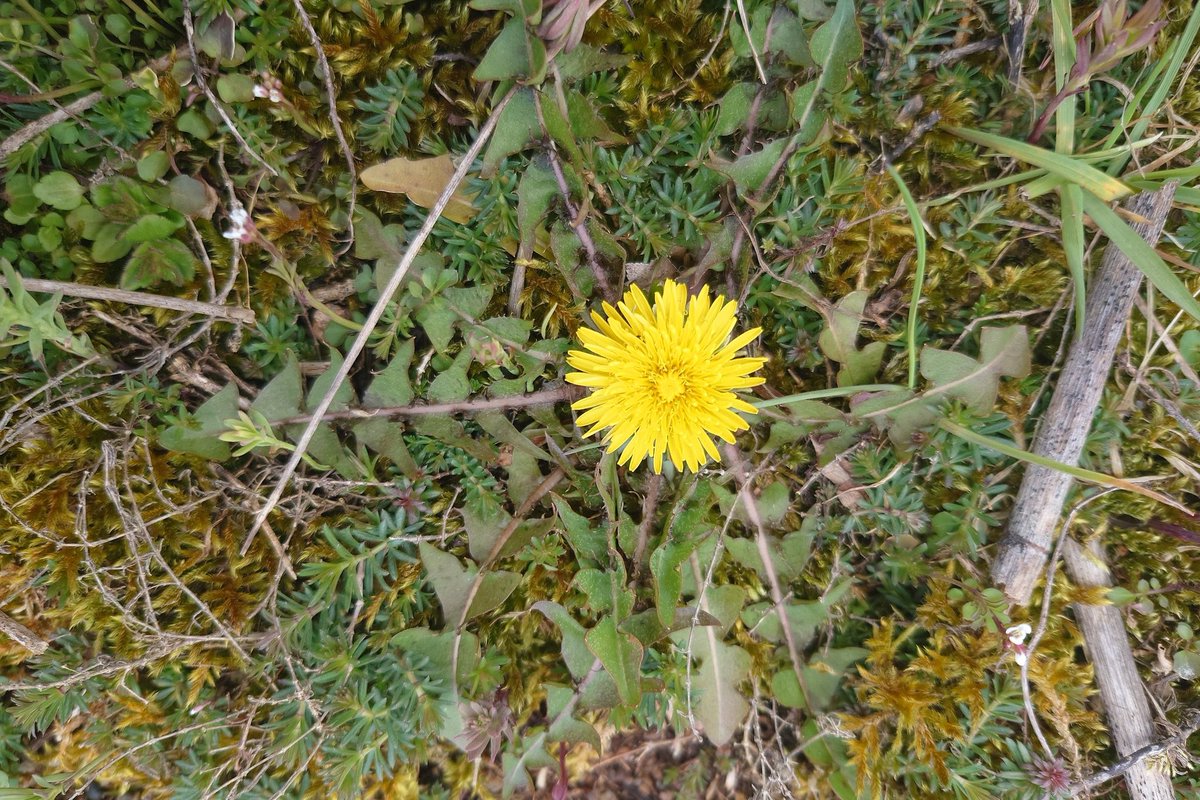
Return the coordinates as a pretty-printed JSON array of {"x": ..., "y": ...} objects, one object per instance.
[
  {"x": 331, "y": 96},
  {"x": 244, "y": 316},
  {"x": 542, "y": 398}
]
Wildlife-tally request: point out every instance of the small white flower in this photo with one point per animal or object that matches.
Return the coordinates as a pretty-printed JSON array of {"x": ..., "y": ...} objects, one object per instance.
[
  {"x": 243, "y": 226},
  {"x": 1021, "y": 657},
  {"x": 1018, "y": 633},
  {"x": 268, "y": 92}
]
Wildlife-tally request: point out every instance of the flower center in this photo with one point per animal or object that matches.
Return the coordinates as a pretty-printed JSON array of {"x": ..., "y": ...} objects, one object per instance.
[{"x": 668, "y": 386}]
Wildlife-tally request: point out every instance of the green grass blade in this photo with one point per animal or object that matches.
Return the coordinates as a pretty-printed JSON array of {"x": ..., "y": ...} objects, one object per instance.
[
  {"x": 823, "y": 394},
  {"x": 1143, "y": 256},
  {"x": 1179, "y": 50},
  {"x": 1099, "y": 478},
  {"x": 1071, "y": 202},
  {"x": 1070, "y": 195},
  {"x": 918, "y": 226},
  {"x": 1066, "y": 167}
]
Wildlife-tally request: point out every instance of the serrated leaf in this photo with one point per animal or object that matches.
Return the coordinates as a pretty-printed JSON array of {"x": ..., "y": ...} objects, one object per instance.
[
  {"x": 391, "y": 386},
  {"x": 834, "y": 46},
  {"x": 452, "y": 385},
  {"x": 621, "y": 654},
  {"x": 452, "y": 583},
  {"x": 516, "y": 129},
  {"x": 154, "y": 262},
  {"x": 344, "y": 394},
  {"x": 281, "y": 397},
  {"x": 437, "y": 320},
  {"x": 589, "y": 543},
  {"x": 198, "y": 434},
  {"x": 749, "y": 172}
]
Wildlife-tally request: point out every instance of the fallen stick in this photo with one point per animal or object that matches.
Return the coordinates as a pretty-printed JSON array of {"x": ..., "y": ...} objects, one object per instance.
[
  {"x": 244, "y": 316},
  {"x": 1064, "y": 428},
  {"x": 1121, "y": 689}
]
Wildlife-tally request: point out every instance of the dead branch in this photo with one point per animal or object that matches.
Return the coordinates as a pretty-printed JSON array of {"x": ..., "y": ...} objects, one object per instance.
[
  {"x": 1121, "y": 688},
  {"x": 244, "y": 316},
  {"x": 1065, "y": 425},
  {"x": 22, "y": 635},
  {"x": 1135, "y": 758}
]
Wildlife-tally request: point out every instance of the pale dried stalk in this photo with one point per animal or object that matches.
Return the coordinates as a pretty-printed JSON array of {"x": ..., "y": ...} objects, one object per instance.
[
  {"x": 1121, "y": 688},
  {"x": 237, "y": 314},
  {"x": 1065, "y": 425}
]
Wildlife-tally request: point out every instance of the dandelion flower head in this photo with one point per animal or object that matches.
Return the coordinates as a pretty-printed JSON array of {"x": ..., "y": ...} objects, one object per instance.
[{"x": 663, "y": 376}]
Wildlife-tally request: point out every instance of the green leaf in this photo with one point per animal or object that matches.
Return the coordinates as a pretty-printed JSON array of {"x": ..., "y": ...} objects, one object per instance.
[
  {"x": 344, "y": 394},
  {"x": 576, "y": 655},
  {"x": 835, "y": 45},
  {"x": 586, "y": 60},
  {"x": 151, "y": 227},
  {"x": 1071, "y": 169},
  {"x": 392, "y": 386},
  {"x": 788, "y": 555},
  {"x": 191, "y": 197},
  {"x": 720, "y": 707},
  {"x": 535, "y": 192},
  {"x": 839, "y": 342},
  {"x": 437, "y": 320},
  {"x": 822, "y": 676},
  {"x": 452, "y": 385},
  {"x": 154, "y": 262},
  {"x": 1003, "y": 352},
  {"x": 522, "y": 9},
  {"x": 438, "y": 648},
  {"x": 281, "y": 397},
  {"x": 198, "y": 432},
  {"x": 621, "y": 654},
  {"x": 514, "y": 53},
  {"x": 1142, "y": 254},
  {"x": 565, "y": 727},
  {"x": 750, "y": 171},
  {"x": 110, "y": 243},
  {"x": 589, "y": 543},
  {"x": 59, "y": 190},
  {"x": 516, "y": 129},
  {"x": 452, "y": 583},
  {"x": 236, "y": 88},
  {"x": 195, "y": 124},
  {"x": 153, "y": 166}
]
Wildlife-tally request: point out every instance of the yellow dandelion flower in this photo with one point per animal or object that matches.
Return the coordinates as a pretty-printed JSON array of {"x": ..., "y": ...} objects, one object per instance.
[{"x": 663, "y": 376}]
